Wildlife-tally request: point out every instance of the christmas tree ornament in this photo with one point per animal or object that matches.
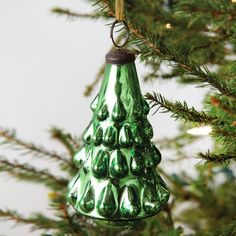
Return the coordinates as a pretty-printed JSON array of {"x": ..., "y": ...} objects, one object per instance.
[{"x": 117, "y": 179}]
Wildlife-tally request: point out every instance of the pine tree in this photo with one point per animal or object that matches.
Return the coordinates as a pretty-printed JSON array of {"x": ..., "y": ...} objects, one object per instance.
[{"x": 197, "y": 38}]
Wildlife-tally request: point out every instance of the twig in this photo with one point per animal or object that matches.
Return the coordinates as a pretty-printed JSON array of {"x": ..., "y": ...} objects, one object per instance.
[
  {"x": 10, "y": 138},
  {"x": 218, "y": 158},
  {"x": 178, "y": 109},
  {"x": 71, "y": 144},
  {"x": 31, "y": 174},
  {"x": 90, "y": 87},
  {"x": 38, "y": 220},
  {"x": 71, "y": 14}
]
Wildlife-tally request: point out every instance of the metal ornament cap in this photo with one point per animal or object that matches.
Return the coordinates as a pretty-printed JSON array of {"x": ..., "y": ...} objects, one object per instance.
[
  {"x": 117, "y": 179},
  {"x": 120, "y": 57}
]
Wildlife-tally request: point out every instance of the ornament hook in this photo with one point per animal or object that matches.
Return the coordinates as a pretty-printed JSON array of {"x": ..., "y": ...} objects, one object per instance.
[{"x": 127, "y": 33}]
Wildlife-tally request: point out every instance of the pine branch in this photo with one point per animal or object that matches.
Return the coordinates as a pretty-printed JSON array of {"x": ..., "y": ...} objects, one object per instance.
[
  {"x": 204, "y": 76},
  {"x": 176, "y": 142},
  {"x": 218, "y": 158},
  {"x": 59, "y": 204},
  {"x": 227, "y": 230},
  {"x": 215, "y": 8},
  {"x": 201, "y": 73},
  {"x": 72, "y": 14},
  {"x": 178, "y": 190},
  {"x": 27, "y": 148},
  {"x": 72, "y": 144},
  {"x": 154, "y": 44},
  {"x": 155, "y": 47},
  {"x": 98, "y": 77},
  {"x": 227, "y": 137},
  {"x": 178, "y": 109},
  {"x": 28, "y": 173},
  {"x": 223, "y": 104},
  {"x": 38, "y": 220}
]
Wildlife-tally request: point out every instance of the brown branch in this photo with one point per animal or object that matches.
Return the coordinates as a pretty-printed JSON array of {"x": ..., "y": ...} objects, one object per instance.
[{"x": 217, "y": 103}]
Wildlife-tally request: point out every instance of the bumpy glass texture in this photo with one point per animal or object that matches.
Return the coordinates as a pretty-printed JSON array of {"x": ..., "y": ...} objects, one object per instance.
[{"x": 117, "y": 178}]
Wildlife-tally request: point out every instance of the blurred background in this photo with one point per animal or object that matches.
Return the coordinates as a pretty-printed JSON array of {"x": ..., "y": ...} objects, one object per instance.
[{"x": 46, "y": 63}]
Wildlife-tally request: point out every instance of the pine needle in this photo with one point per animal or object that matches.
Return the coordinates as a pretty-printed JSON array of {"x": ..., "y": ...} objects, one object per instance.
[
  {"x": 28, "y": 173},
  {"x": 10, "y": 139},
  {"x": 218, "y": 158},
  {"x": 178, "y": 109},
  {"x": 38, "y": 220}
]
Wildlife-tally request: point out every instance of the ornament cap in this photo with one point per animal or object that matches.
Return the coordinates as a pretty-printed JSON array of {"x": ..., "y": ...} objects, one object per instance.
[{"x": 120, "y": 57}]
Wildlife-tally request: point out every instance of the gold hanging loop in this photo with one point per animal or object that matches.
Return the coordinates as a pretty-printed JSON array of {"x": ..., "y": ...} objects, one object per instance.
[{"x": 120, "y": 10}]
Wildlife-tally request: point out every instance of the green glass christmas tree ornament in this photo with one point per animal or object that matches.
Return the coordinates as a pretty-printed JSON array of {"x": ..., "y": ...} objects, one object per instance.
[{"x": 117, "y": 178}]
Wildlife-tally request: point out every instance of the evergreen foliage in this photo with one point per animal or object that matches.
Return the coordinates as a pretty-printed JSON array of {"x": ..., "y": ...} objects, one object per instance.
[{"x": 196, "y": 38}]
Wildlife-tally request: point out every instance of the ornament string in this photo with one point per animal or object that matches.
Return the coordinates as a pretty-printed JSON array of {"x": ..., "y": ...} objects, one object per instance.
[
  {"x": 120, "y": 16},
  {"x": 120, "y": 19}
]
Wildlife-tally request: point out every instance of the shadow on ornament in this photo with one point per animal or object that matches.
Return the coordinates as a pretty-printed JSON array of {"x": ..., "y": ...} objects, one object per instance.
[
  {"x": 118, "y": 225},
  {"x": 121, "y": 227}
]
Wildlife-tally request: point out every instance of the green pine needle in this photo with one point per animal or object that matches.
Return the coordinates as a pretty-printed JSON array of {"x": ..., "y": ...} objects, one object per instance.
[
  {"x": 218, "y": 158},
  {"x": 28, "y": 173},
  {"x": 71, "y": 14},
  {"x": 9, "y": 138},
  {"x": 178, "y": 109},
  {"x": 38, "y": 220}
]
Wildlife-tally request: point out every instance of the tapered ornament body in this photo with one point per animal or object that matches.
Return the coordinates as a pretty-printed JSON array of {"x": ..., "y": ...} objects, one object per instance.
[{"x": 117, "y": 178}]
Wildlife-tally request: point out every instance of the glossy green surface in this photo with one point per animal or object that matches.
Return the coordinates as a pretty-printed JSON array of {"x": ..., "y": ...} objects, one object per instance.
[{"x": 117, "y": 178}]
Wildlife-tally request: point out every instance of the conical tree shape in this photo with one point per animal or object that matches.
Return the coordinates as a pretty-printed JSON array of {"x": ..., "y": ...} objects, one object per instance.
[{"x": 117, "y": 179}]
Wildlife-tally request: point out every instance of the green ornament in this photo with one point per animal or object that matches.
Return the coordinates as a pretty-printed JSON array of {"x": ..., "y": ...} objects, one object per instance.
[{"x": 117, "y": 178}]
